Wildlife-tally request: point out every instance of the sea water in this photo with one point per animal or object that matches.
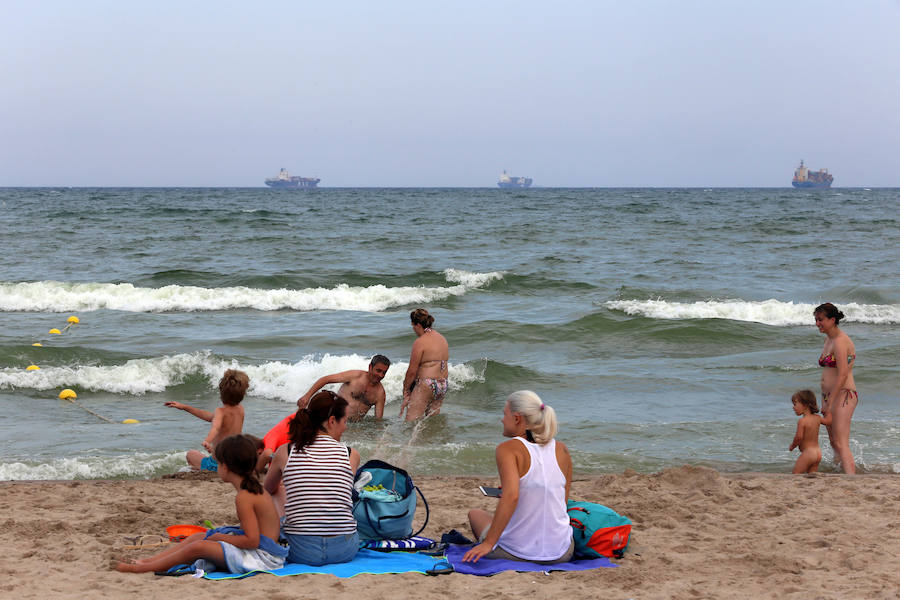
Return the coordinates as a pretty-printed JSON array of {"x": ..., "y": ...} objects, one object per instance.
[{"x": 665, "y": 326}]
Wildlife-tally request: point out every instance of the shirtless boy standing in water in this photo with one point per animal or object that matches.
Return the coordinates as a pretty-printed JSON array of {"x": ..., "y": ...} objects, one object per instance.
[{"x": 361, "y": 389}]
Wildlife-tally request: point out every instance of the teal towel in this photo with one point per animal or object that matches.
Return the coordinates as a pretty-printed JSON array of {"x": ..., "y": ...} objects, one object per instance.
[{"x": 366, "y": 561}]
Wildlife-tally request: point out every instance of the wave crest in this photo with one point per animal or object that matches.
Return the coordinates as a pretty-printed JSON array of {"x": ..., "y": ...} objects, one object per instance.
[
  {"x": 274, "y": 380},
  {"x": 54, "y": 296},
  {"x": 129, "y": 466},
  {"x": 769, "y": 312}
]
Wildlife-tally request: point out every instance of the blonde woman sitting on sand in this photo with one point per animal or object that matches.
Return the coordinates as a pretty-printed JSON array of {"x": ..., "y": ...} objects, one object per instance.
[{"x": 530, "y": 522}]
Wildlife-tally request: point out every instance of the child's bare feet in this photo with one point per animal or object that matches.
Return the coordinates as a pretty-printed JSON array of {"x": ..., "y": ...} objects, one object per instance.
[{"x": 125, "y": 565}]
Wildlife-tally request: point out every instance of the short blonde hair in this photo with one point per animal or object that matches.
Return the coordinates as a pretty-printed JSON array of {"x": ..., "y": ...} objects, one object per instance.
[{"x": 540, "y": 418}]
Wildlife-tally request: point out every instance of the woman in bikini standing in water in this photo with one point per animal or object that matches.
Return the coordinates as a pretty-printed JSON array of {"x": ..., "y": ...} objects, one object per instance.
[
  {"x": 839, "y": 397},
  {"x": 425, "y": 383}
]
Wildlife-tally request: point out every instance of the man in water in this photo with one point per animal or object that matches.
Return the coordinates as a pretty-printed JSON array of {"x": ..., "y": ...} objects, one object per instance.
[{"x": 361, "y": 389}]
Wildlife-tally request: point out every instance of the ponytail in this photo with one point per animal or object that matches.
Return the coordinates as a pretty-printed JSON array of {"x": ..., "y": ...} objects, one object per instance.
[
  {"x": 309, "y": 421},
  {"x": 540, "y": 418},
  {"x": 238, "y": 454}
]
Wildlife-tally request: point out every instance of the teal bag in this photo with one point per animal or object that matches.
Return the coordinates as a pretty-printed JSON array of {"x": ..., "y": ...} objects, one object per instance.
[
  {"x": 598, "y": 530},
  {"x": 386, "y": 516}
]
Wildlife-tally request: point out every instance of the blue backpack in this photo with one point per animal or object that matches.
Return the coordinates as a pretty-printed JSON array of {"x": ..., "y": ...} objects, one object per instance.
[
  {"x": 598, "y": 530},
  {"x": 386, "y": 513}
]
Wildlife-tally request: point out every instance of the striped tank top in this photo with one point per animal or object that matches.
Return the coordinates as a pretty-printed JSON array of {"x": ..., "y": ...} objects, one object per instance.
[{"x": 317, "y": 484}]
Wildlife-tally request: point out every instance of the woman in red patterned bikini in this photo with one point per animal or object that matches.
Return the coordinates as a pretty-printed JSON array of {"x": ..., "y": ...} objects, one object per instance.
[{"x": 839, "y": 397}]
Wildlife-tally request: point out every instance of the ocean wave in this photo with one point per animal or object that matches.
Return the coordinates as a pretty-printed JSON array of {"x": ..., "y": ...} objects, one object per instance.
[
  {"x": 54, "y": 296},
  {"x": 769, "y": 312},
  {"x": 469, "y": 279},
  {"x": 273, "y": 380},
  {"x": 128, "y": 466}
]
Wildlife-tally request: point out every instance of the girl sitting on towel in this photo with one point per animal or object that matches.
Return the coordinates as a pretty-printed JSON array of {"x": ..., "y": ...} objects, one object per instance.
[
  {"x": 253, "y": 546},
  {"x": 530, "y": 522}
]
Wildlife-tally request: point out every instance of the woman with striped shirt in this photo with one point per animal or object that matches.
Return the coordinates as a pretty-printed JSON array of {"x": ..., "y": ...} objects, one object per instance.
[{"x": 317, "y": 471}]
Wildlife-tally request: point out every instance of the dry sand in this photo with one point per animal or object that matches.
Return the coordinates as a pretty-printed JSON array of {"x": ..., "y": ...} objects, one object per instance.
[{"x": 697, "y": 534}]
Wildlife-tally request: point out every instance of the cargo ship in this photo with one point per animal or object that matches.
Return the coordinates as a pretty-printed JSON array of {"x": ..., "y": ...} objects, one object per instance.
[
  {"x": 513, "y": 182},
  {"x": 285, "y": 180},
  {"x": 804, "y": 178}
]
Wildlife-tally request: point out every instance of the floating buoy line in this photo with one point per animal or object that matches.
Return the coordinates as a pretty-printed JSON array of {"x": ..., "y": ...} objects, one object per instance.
[{"x": 69, "y": 394}]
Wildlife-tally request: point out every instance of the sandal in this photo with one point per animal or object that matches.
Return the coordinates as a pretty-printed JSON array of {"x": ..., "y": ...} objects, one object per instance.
[
  {"x": 440, "y": 568},
  {"x": 176, "y": 571}
]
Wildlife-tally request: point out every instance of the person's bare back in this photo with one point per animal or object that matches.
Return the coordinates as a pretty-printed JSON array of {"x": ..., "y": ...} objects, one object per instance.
[
  {"x": 227, "y": 420},
  {"x": 807, "y": 439}
]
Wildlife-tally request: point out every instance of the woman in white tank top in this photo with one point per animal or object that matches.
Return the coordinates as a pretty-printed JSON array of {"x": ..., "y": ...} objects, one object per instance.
[{"x": 530, "y": 522}]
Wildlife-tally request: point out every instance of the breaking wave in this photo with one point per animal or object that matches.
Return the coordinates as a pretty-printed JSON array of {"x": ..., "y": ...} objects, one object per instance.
[
  {"x": 273, "y": 380},
  {"x": 55, "y": 296},
  {"x": 770, "y": 312}
]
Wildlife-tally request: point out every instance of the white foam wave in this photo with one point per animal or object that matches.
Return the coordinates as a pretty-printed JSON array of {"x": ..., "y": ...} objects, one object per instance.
[
  {"x": 288, "y": 382},
  {"x": 55, "y": 296},
  {"x": 131, "y": 465},
  {"x": 137, "y": 376},
  {"x": 274, "y": 380},
  {"x": 472, "y": 280},
  {"x": 770, "y": 312}
]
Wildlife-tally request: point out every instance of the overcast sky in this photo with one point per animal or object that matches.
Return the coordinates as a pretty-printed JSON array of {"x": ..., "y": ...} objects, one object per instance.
[{"x": 570, "y": 93}]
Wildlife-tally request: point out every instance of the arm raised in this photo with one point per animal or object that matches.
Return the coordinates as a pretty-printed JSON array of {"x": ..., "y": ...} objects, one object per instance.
[
  {"x": 342, "y": 377},
  {"x": 197, "y": 412}
]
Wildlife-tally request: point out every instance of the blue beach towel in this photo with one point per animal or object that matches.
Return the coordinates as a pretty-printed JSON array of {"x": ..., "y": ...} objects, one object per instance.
[
  {"x": 366, "y": 561},
  {"x": 492, "y": 566}
]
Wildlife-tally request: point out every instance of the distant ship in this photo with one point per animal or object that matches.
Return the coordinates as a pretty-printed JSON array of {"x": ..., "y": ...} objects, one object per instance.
[
  {"x": 804, "y": 178},
  {"x": 285, "y": 180},
  {"x": 513, "y": 182}
]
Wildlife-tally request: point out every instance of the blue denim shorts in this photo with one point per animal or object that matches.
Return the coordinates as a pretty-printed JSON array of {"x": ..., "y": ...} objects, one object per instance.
[{"x": 318, "y": 550}]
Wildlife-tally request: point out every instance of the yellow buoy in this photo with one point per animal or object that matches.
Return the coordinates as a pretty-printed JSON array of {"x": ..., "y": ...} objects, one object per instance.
[
  {"x": 32, "y": 368},
  {"x": 130, "y": 421},
  {"x": 67, "y": 393},
  {"x": 38, "y": 344},
  {"x": 55, "y": 330},
  {"x": 72, "y": 319}
]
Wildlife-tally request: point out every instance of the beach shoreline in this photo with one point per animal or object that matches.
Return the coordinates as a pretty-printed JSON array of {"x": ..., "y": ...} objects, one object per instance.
[{"x": 697, "y": 533}]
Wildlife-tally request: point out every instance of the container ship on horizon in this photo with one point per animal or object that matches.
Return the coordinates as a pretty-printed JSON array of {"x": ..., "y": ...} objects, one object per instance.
[
  {"x": 804, "y": 178},
  {"x": 285, "y": 180},
  {"x": 513, "y": 182}
]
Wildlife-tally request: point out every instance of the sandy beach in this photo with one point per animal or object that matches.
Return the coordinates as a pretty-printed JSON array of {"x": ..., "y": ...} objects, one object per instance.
[{"x": 697, "y": 534}]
